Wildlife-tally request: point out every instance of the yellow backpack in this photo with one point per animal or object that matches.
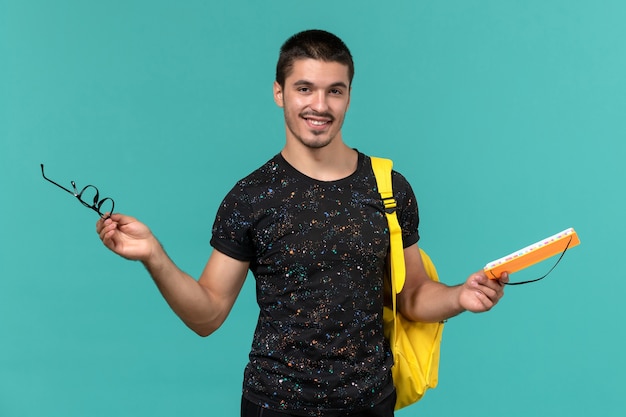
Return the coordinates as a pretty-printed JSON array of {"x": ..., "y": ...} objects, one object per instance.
[{"x": 415, "y": 345}]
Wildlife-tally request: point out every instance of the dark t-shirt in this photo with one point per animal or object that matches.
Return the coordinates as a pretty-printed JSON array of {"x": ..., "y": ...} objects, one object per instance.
[{"x": 317, "y": 251}]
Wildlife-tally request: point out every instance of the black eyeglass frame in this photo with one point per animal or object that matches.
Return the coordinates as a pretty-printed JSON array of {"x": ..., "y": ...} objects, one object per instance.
[{"x": 97, "y": 203}]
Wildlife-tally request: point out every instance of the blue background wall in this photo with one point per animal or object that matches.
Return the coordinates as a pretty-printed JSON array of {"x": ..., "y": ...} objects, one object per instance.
[{"x": 507, "y": 117}]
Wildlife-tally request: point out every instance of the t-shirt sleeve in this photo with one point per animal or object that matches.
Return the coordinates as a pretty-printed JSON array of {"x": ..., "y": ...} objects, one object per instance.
[
  {"x": 408, "y": 213},
  {"x": 231, "y": 232}
]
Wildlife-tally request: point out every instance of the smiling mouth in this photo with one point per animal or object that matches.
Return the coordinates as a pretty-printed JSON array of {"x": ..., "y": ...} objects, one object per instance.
[{"x": 317, "y": 120}]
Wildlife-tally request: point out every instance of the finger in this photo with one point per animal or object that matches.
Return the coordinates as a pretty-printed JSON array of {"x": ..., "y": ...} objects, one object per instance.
[
  {"x": 107, "y": 231},
  {"x": 99, "y": 225},
  {"x": 483, "y": 301},
  {"x": 499, "y": 284},
  {"x": 495, "y": 292},
  {"x": 489, "y": 293},
  {"x": 121, "y": 218},
  {"x": 492, "y": 290},
  {"x": 102, "y": 235}
]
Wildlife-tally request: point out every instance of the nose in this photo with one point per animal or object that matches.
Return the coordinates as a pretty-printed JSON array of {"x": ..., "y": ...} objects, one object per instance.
[{"x": 319, "y": 102}]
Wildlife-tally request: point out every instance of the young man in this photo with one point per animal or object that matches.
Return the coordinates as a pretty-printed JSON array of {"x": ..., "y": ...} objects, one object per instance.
[{"x": 310, "y": 226}]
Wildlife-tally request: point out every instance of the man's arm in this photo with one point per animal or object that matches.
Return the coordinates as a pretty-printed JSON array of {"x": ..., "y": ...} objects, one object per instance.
[
  {"x": 423, "y": 299},
  {"x": 202, "y": 305}
]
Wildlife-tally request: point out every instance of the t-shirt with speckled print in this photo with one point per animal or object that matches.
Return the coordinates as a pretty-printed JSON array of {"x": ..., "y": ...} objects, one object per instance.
[{"x": 317, "y": 250}]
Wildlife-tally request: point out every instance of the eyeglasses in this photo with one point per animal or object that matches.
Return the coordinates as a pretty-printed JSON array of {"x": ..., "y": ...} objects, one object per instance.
[{"x": 86, "y": 192}]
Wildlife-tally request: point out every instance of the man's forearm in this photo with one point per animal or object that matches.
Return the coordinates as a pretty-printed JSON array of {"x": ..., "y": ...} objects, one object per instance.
[
  {"x": 187, "y": 298},
  {"x": 432, "y": 302}
]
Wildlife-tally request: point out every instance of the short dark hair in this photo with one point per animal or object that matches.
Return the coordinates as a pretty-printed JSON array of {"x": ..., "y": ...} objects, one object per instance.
[{"x": 314, "y": 44}]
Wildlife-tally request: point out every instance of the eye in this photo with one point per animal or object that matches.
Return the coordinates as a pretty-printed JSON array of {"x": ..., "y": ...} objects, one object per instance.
[{"x": 336, "y": 91}]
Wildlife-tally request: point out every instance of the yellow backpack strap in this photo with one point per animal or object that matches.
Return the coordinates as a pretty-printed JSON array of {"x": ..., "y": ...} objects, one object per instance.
[{"x": 382, "y": 170}]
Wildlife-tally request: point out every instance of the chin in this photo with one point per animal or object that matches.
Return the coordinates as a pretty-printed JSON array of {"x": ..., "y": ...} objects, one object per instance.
[{"x": 316, "y": 143}]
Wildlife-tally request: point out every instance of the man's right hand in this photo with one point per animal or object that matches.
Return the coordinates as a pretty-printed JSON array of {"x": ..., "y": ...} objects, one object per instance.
[{"x": 126, "y": 236}]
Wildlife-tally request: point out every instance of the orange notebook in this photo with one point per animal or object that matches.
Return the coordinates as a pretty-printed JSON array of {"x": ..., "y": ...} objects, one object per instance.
[{"x": 533, "y": 254}]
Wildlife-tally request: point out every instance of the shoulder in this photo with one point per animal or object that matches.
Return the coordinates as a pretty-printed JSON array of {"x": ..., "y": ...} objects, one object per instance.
[
  {"x": 261, "y": 178},
  {"x": 399, "y": 181},
  {"x": 264, "y": 173}
]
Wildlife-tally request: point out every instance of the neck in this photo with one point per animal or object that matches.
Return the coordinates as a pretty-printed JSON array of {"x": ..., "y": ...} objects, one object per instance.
[{"x": 329, "y": 163}]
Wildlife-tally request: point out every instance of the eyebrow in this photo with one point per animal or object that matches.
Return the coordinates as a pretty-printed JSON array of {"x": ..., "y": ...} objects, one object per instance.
[{"x": 309, "y": 83}]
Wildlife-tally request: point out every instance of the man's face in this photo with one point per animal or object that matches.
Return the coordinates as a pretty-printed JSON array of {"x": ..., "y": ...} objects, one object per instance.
[{"x": 315, "y": 99}]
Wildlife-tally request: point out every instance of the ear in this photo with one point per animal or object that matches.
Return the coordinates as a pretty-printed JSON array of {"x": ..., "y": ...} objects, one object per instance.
[{"x": 278, "y": 94}]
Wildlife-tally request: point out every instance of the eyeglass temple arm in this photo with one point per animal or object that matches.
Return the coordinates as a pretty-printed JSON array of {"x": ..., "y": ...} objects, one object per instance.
[{"x": 60, "y": 186}]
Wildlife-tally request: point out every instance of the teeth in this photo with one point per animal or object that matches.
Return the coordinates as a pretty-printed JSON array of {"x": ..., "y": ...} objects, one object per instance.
[{"x": 317, "y": 122}]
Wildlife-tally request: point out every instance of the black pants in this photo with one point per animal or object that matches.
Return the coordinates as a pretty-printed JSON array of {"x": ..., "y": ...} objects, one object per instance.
[{"x": 384, "y": 409}]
